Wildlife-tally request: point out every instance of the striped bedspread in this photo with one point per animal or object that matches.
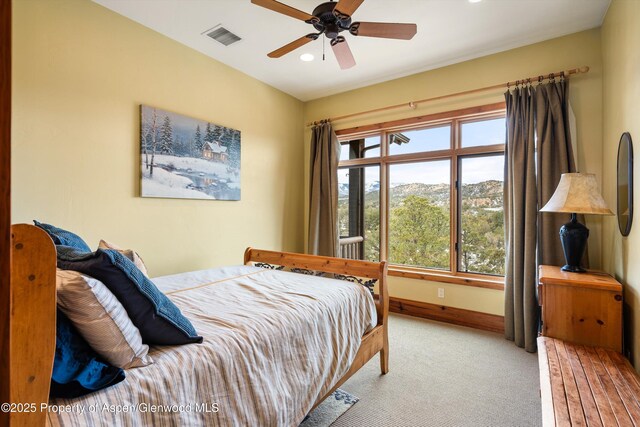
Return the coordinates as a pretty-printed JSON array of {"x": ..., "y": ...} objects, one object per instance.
[{"x": 274, "y": 343}]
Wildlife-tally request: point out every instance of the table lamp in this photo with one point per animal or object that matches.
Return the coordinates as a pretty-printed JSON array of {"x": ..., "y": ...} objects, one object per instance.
[{"x": 577, "y": 193}]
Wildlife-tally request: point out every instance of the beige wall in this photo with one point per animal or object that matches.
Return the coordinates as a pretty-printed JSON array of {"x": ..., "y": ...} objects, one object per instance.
[
  {"x": 80, "y": 73},
  {"x": 621, "y": 112},
  {"x": 571, "y": 51}
]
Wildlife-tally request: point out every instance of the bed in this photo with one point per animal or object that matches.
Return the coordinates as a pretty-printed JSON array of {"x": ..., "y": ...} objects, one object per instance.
[{"x": 278, "y": 339}]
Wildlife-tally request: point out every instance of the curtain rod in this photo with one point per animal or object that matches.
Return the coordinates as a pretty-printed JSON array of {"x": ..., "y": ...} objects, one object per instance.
[{"x": 413, "y": 104}]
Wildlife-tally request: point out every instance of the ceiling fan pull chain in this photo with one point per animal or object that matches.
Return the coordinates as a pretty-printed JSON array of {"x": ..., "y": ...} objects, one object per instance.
[{"x": 323, "y": 48}]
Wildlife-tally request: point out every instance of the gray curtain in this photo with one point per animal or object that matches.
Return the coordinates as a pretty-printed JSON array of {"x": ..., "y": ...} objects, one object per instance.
[
  {"x": 323, "y": 191},
  {"x": 555, "y": 157},
  {"x": 520, "y": 208},
  {"x": 537, "y": 153}
]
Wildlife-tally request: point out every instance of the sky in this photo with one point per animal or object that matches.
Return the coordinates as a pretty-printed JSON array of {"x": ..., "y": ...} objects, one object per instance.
[{"x": 474, "y": 170}]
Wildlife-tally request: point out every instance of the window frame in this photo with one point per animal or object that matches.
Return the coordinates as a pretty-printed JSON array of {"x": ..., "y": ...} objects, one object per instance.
[{"x": 454, "y": 154}]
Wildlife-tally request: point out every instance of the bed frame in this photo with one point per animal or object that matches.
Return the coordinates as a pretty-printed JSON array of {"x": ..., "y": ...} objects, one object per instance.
[
  {"x": 30, "y": 345},
  {"x": 374, "y": 341},
  {"x": 27, "y": 344}
]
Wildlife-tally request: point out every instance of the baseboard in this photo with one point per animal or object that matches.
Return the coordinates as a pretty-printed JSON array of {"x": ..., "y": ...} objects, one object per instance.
[{"x": 441, "y": 313}]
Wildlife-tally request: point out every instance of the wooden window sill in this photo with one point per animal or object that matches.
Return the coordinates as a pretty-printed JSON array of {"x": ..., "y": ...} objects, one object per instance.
[{"x": 467, "y": 279}]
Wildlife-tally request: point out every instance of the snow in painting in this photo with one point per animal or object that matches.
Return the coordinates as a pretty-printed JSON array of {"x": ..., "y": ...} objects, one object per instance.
[{"x": 188, "y": 158}]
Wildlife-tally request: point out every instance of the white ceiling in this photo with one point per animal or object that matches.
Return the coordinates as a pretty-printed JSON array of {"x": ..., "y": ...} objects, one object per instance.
[{"x": 449, "y": 31}]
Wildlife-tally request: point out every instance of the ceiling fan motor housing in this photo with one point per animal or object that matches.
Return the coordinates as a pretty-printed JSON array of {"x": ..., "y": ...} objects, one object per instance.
[{"x": 330, "y": 23}]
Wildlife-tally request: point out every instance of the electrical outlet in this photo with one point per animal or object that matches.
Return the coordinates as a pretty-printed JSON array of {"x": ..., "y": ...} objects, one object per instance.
[{"x": 440, "y": 292}]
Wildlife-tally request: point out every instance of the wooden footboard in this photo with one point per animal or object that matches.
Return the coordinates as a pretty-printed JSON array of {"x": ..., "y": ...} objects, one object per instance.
[
  {"x": 30, "y": 345},
  {"x": 376, "y": 340}
]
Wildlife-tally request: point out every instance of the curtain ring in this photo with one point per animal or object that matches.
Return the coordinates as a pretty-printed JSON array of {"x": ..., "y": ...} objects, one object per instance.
[{"x": 540, "y": 78}]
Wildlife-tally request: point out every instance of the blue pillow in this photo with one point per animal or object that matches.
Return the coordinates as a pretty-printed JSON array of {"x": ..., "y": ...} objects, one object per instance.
[
  {"x": 77, "y": 369},
  {"x": 64, "y": 237},
  {"x": 158, "y": 319}
]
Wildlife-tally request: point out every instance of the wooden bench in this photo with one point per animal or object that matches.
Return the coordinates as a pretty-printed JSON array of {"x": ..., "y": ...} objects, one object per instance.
[{"x": 586, "y": 386}]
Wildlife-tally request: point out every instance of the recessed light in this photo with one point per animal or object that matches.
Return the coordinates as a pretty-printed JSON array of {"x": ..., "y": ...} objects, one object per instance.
[
  {"x": 306, "y": 57},
  {"x": 475, "y": 1}
]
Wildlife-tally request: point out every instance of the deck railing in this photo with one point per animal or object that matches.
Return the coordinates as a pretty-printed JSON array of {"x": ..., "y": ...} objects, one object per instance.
[{"x": 351, "y": 247}]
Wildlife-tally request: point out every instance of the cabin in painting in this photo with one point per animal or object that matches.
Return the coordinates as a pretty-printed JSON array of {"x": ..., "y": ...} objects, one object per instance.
[{"x": 214, "y": 151}]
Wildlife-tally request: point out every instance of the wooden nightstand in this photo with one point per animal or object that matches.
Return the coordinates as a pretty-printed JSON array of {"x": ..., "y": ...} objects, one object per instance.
[{"x": 582, "y": 308}]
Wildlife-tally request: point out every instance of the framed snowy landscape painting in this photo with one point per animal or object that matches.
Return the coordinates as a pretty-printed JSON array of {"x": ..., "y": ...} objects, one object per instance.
[{"x": 187, "y": 158}]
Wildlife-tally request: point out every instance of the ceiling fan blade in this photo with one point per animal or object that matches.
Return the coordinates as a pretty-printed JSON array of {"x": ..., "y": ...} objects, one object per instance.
[
  {"x": 343, "y": 54},
  {"x": 385, "y": 30},
  {"x": 289, "y": 47},
  {"x": 276, "y": 6},
  {"x": 347, "y": 7}
]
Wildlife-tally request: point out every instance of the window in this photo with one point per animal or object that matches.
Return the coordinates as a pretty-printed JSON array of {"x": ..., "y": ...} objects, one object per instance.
[
  {"x": 419, "y": 214},
  {"x": 361, "y": 148},
  {"x": 426, "y": 197},
  {"x": 481, "y": 247},
  {"x": 359, "y": 211},
  {"x": 415, "y": 141}
]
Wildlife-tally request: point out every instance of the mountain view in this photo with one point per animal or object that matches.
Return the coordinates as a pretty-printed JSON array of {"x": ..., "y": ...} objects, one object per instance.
[{"x": 419, "y": 225}]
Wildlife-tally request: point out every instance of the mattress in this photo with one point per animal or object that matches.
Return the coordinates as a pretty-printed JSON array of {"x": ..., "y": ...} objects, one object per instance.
[{"x": 274, "y": 343}]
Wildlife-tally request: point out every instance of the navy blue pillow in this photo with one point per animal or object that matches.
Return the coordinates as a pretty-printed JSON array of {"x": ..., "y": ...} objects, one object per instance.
[
  {"x": 158, "y": 319},
  {"x": 64, "y": 237},
  {"x": 77, "y": 369}
]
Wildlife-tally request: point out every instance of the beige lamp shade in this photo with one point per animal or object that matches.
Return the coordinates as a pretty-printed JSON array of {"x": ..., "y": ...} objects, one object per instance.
[{"x": 577, "y": 193}]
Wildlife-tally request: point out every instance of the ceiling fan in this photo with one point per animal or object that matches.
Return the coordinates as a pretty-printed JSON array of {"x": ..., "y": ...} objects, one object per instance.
[{"x": 331, "y": 18}]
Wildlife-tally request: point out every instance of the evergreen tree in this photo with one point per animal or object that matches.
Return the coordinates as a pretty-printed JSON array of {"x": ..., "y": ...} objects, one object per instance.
[
  {"x": 234, "y": 149},
  {"x": 227, "y": 136},
  {"x": 199, "y": 144},
  {"x": 166, "y": 137},
  {"x": 217, "y": 133},
  {"x": 372, "y": 227},
  {"x": 178, "y": 146},
  {"x": 482, "y": 243},
  {"x": 419, "y": 234},
  {"x": 208, "y": 137},
  {"x": 151, "y": 138}
]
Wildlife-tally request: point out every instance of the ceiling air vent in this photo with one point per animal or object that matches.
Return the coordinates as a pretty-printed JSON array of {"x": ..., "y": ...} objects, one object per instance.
[{"x": 222, "y": 35}]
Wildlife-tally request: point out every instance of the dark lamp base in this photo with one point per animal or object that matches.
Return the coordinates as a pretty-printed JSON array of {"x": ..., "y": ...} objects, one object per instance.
[
  {"x": 573, "y": 269},
  {"x": 573, "y": 237}
]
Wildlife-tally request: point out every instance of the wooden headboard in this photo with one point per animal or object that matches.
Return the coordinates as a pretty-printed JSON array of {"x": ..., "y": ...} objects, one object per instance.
[{"x": 31, "y": 339}]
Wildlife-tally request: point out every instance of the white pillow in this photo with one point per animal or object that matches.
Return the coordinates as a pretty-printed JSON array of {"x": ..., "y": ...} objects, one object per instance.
[
  {"x": 132, "y": 255},
  {"x": 101, "y": 320}
]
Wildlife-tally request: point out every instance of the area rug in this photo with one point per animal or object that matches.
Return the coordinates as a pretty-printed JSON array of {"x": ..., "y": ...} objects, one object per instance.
[{"x": 330, "y": 410}]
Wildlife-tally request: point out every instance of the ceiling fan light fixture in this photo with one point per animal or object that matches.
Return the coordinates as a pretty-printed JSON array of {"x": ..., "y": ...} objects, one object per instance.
[{"x": 306, "y": 57}]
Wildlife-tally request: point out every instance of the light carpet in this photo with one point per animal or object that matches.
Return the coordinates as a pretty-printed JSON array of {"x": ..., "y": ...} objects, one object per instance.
[{"x": 446, "y": 375}]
